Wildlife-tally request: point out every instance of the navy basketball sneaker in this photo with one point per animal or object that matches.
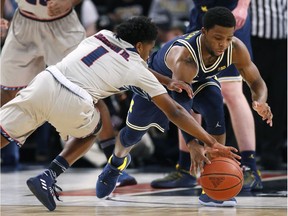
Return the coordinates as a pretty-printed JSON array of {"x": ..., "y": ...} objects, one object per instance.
[
  {"x": 44, "y": 188},
  {"x": 108, "y": 179}
]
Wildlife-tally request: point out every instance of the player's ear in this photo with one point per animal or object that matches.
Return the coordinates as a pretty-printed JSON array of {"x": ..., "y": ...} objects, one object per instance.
[
  {"x": 204, "y": 31},
  {"x": 139, "y": 47}
]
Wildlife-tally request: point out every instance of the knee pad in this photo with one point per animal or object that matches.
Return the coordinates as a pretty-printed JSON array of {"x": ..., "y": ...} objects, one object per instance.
[{"x": 129, "y": 137}]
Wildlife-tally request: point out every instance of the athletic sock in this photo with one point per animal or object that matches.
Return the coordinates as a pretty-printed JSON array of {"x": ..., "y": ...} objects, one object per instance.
[
  {"x": 57, "y": 166},
  {"x": 107, "y": 146},
  {"x": 184, "y": 160},
  {"x": 116, "y": 161},
  {"x": 248, "y": 159}
]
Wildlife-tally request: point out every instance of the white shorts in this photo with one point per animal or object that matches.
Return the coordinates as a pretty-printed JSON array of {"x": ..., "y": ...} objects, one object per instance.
[
  {"x": 45, "y": 99},
  {"x": 32, "y": 45}
]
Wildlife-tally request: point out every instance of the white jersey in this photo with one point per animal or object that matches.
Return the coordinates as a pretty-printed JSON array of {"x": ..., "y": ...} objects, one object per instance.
[
  {"x": 104, "y": 65},
  {"x": 64, "y": 95}
]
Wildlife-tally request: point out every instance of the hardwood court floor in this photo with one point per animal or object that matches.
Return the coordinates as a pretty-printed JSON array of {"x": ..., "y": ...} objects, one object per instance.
[{"x": 78, "y": 197}]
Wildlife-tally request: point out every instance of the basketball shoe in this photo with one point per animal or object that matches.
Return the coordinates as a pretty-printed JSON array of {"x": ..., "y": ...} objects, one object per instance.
[
  {"x": 205, "y": 200},
  {"x": 176, "y": 179},
  {"x": 108, "y": 179},
  {"x": 252, "y": 179},
  {"x": 44, "y": 188}
]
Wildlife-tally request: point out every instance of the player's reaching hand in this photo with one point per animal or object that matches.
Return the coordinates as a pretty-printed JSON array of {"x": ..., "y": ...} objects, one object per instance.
[
  {"x": 264, "y": 110},
  {"x": 179, "y": 86},
  {"x": 200, "y": 154},
  {"x": 219, "y": 150}
]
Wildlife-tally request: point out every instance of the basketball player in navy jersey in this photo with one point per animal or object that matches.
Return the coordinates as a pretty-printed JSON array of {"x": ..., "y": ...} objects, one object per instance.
[
  {"x": 194, "y": 58},
  {"x": 239, "y": 109}
]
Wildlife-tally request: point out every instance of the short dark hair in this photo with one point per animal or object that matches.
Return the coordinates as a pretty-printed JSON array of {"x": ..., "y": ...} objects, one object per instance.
[
  {"x": 137, "y": 29},
  {"x": 218, "y": 16}
]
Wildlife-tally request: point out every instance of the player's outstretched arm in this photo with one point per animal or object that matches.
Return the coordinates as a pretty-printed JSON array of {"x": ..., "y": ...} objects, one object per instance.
[
  {"x": 173, "y": 84},
  {"x": 251, "y": 75},
  {"x": 183, "y": 120}
]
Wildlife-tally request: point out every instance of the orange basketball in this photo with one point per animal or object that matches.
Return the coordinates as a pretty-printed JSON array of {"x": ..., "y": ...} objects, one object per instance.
[{"x": 222, "y": 179}]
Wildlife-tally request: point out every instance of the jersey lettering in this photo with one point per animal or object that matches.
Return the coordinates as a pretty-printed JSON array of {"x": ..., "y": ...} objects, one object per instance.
[
  {"x": 94, "y": 55},
  {"x": 112, "y": 46}
]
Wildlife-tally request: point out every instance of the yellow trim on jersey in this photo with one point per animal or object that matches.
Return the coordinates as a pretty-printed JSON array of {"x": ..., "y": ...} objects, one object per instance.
[{"x": 229, "y": 55}]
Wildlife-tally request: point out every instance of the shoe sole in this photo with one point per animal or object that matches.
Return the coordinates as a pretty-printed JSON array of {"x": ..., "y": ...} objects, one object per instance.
[
  {"x": 43, "y": 200},
  {"x": 212, "y": 204}
]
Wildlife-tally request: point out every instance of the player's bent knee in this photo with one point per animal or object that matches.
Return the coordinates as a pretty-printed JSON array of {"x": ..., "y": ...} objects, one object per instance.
[{"x": 129, "y": 137}]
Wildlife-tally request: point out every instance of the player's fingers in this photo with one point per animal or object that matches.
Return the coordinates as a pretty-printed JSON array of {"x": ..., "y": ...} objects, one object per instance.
[
  {"x": 177, "y": 89},
  {"x": 232, "y": 149},
  {"x": 206, "y": 160},
  {"x": 193, "y": 170},
  {"x": 235, "y": 156},
  {"x": 188, "y": 89},
  {"x": 201, "y": 167}
]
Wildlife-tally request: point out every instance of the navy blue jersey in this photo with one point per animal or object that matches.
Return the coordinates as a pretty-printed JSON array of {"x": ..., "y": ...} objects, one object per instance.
[{"x": 192, "y": 42}]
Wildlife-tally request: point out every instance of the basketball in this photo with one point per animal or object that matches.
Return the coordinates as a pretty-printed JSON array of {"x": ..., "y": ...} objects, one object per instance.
[{"x": 222, "y": 179}]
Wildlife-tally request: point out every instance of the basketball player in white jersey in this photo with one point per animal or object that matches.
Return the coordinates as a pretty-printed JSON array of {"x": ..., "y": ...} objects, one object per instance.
[{"x": 102, "y": 65}]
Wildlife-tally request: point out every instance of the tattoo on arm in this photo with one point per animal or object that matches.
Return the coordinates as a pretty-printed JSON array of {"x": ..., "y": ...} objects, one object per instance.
[{"x": 189, "y": 60}]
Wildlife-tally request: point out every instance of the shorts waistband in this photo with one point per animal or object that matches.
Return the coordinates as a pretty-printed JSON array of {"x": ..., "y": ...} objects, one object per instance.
[{"x": 32, "y": 16}]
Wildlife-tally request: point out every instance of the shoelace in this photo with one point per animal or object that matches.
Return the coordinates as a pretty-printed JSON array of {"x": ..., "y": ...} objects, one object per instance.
[
  {"x": 55, "y": 192},
  {"x": 106, "y": 179}
]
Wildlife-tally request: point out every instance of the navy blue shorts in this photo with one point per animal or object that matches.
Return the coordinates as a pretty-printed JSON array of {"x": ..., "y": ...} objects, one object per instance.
[{"x": 143, "y": 114}]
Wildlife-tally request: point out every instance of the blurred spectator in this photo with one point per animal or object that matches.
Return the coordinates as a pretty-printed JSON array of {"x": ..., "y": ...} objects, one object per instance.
[
  {"x": 89, "y": 16},
  {"x": 179, "y": 9},
  {"x": 124, "y": 9}
]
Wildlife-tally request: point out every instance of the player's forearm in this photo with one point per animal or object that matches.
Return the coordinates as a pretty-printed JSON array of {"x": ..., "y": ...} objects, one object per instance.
[
  {"x": 188, "y": 124},
  {"x": 164, "y": 80},
  {"x": 259, "y": 91}
]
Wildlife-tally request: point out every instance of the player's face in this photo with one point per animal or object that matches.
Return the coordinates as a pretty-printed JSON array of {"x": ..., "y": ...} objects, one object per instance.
[
  {"x": 217, "y": 39},
  {"x": 144, "y": 49}
]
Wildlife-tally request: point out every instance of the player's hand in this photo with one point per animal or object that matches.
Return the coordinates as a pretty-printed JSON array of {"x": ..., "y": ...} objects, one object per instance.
[
  {"x": 198, "y": 158},
  {"x": 240, "y": 15},
  {"x": 4, "y": 25},
  {"x": 264, "y": 110},
  {"x": 219, "y": 150},
  {"x": 179, "y": 86},
  {"x": 58, "y": 7}
]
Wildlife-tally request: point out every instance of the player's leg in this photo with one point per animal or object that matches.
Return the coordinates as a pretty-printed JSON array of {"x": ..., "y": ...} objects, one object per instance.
[
  {"x": 181, "y": 176},
  {"x": 244, "y": 129},
  {"x": 209, "y": 103},
  {"x": 142, "y": 115},
  {"x": 106, "y": 141}
]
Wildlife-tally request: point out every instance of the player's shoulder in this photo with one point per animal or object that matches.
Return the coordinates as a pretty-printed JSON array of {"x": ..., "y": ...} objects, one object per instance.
[{"x": 237, "y": 44}]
